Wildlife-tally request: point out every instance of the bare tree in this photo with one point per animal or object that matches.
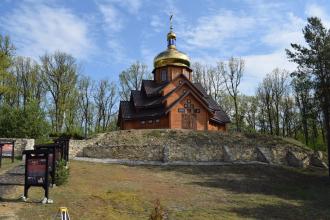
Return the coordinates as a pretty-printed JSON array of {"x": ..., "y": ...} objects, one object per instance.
[
  {"x": 265, "y": 94},
  {"x": 131, "y": 79},
  {"x": 85, "y": 86},
  {"x": 232, "y": 79},
  {"x": 303, "y": 94},
  {"x": 279, "y": 86},
  {"x": 28, "y": 81},
  {"x": 251, "y": 112},
  {"x": 59, "y": 74},
  {"x": 202, "y": 75},
  {"x": 105, "y": 98}
]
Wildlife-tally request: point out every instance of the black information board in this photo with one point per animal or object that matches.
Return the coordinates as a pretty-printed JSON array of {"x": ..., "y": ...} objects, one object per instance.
[
  {"x": 7, "y": 150},
  {"x": 53, "y": 157},
  {"x": 36, "y": 170}
]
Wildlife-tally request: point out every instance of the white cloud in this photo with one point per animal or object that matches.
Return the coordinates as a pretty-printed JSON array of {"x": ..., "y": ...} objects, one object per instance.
[
  {"x": 259, "y": 34},
  {"x": 116, "y": 51},
  {"x": 111, "y": 16},
  {"x": 39, "y": 28},
  {"x": 147, "y": 55},
  {"x": 133, "y": 6},
  {"x": 156, "y": 23},
  {"x": 212, "y": 31},
  {"x": 112, "y": 24},
  {"x": 281, "y": 34},
  {"x": 258, "y": 66},
  {"x": 318, "y": 11}
]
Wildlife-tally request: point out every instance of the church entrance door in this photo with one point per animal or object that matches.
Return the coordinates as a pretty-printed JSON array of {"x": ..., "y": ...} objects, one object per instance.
[{"x": 189, "y": 121}]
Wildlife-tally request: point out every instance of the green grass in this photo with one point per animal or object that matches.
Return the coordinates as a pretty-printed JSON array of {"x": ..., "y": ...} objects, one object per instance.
[
  {"x": 103, "y": 191},
  {"x": 7, "y": 164}
]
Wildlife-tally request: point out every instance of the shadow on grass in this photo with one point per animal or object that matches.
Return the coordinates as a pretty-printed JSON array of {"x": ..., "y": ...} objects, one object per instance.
[
  {"x": 19, "y": 200},
  {"x": 309, "y": 188},
  {"x": 280, "y": 211},
  {"x": 11, "y": 200},
  {"x": 9, "y": 181}
]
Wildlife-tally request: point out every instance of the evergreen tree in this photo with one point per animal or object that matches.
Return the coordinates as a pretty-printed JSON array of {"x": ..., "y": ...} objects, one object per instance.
[{"x": 316, "y": 58}]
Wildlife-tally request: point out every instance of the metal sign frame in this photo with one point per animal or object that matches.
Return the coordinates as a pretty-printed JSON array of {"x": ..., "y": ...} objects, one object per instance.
[
  {"x": 35, "y": 155},
  {"x": 58, "y": 149},
  {"x": 2, "y": 144},
  {"x": 51, "y": 159},
  {"x": 65, "y": 143}
]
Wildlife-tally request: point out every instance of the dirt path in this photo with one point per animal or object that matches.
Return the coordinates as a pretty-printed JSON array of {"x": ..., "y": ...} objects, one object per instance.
[{"x": 11, "y": 183}]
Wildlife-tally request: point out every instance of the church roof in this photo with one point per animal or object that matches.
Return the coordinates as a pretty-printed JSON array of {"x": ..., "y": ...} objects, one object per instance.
[
  {"x": 220, "y": 117},
  {"x": 140, "y": 100},
  {"x": 128, "y": 112},
  {"x": 150, "y": 101},
  {"x": 200, "y": 88},
  {"x": 152, "y": 88}
]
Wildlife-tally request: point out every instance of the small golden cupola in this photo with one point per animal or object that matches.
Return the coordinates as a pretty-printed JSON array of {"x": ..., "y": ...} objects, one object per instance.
[{"x": 171, "y": 56}]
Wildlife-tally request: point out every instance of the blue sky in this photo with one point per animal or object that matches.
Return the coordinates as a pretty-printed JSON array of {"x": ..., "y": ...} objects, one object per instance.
[{"x": 106, "y": 36}]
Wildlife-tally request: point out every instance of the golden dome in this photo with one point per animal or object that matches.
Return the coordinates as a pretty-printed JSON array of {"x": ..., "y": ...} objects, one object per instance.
[{"x": 171, "y": 56}]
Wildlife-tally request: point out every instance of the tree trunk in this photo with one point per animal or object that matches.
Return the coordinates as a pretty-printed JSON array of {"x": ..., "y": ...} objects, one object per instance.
[
  {"x": 277, "y": 120},
  {"x": 270, "y": 119},
  {"x": 327, "y": 125},
  {"x": 236, "y": 114},
  {"x": 305, "y": 126}
]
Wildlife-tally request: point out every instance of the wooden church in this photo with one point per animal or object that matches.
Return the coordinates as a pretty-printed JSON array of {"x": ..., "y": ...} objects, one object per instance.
[{"x": 171, "y": 99}]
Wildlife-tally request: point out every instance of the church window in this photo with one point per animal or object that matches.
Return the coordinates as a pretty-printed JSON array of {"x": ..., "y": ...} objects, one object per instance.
[
  {"x": 163, "y": 74},
  {"x": 143, "y": 122},
  {"x": 157, "y": 120},
  {"x": 150, "y": 121},
  {"x": 188, "y": 100}
]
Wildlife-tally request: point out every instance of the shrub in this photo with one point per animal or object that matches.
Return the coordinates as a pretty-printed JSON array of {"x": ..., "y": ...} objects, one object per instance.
[
  {"x": 69, "y": 134},
  {"x": 158, "y": 212},
  {"x": 22, "y": 123},
  {"x": 62, "y": 173}
]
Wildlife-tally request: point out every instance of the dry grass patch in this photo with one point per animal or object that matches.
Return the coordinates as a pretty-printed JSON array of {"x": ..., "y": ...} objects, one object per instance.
[{"x": 103, "y": 191}]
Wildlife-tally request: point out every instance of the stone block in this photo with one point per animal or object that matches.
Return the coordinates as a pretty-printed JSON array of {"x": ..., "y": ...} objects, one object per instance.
[
  {"x": 264, "y": 155},
  {"x": 297, "y": 159},
  {"x": 317, "y": 160},
  {"x": 227, "y": 154}
]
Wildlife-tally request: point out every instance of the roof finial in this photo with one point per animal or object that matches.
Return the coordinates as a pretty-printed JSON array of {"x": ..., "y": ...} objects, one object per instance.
[
  {"x": 171, "y": 35},
  {"x": 171, "y": 24}
]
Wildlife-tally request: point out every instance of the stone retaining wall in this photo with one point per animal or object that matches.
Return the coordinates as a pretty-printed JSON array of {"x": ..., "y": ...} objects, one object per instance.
[
  {"x": 170, "y": 146},
  {"x": 129, "y": 152},
  {"x": 21, "y": 144}
]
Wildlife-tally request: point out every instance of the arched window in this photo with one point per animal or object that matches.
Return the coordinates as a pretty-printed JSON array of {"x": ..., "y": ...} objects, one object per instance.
[{"x": 163, "y": 75}]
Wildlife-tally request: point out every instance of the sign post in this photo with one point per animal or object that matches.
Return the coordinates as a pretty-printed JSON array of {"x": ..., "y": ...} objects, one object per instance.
[
  {"x": 65, "y": 143},
  {"x": 8, "y": 149},
  {"x": 1, "y": 154},
  {"x": 36, "y": 172}
]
